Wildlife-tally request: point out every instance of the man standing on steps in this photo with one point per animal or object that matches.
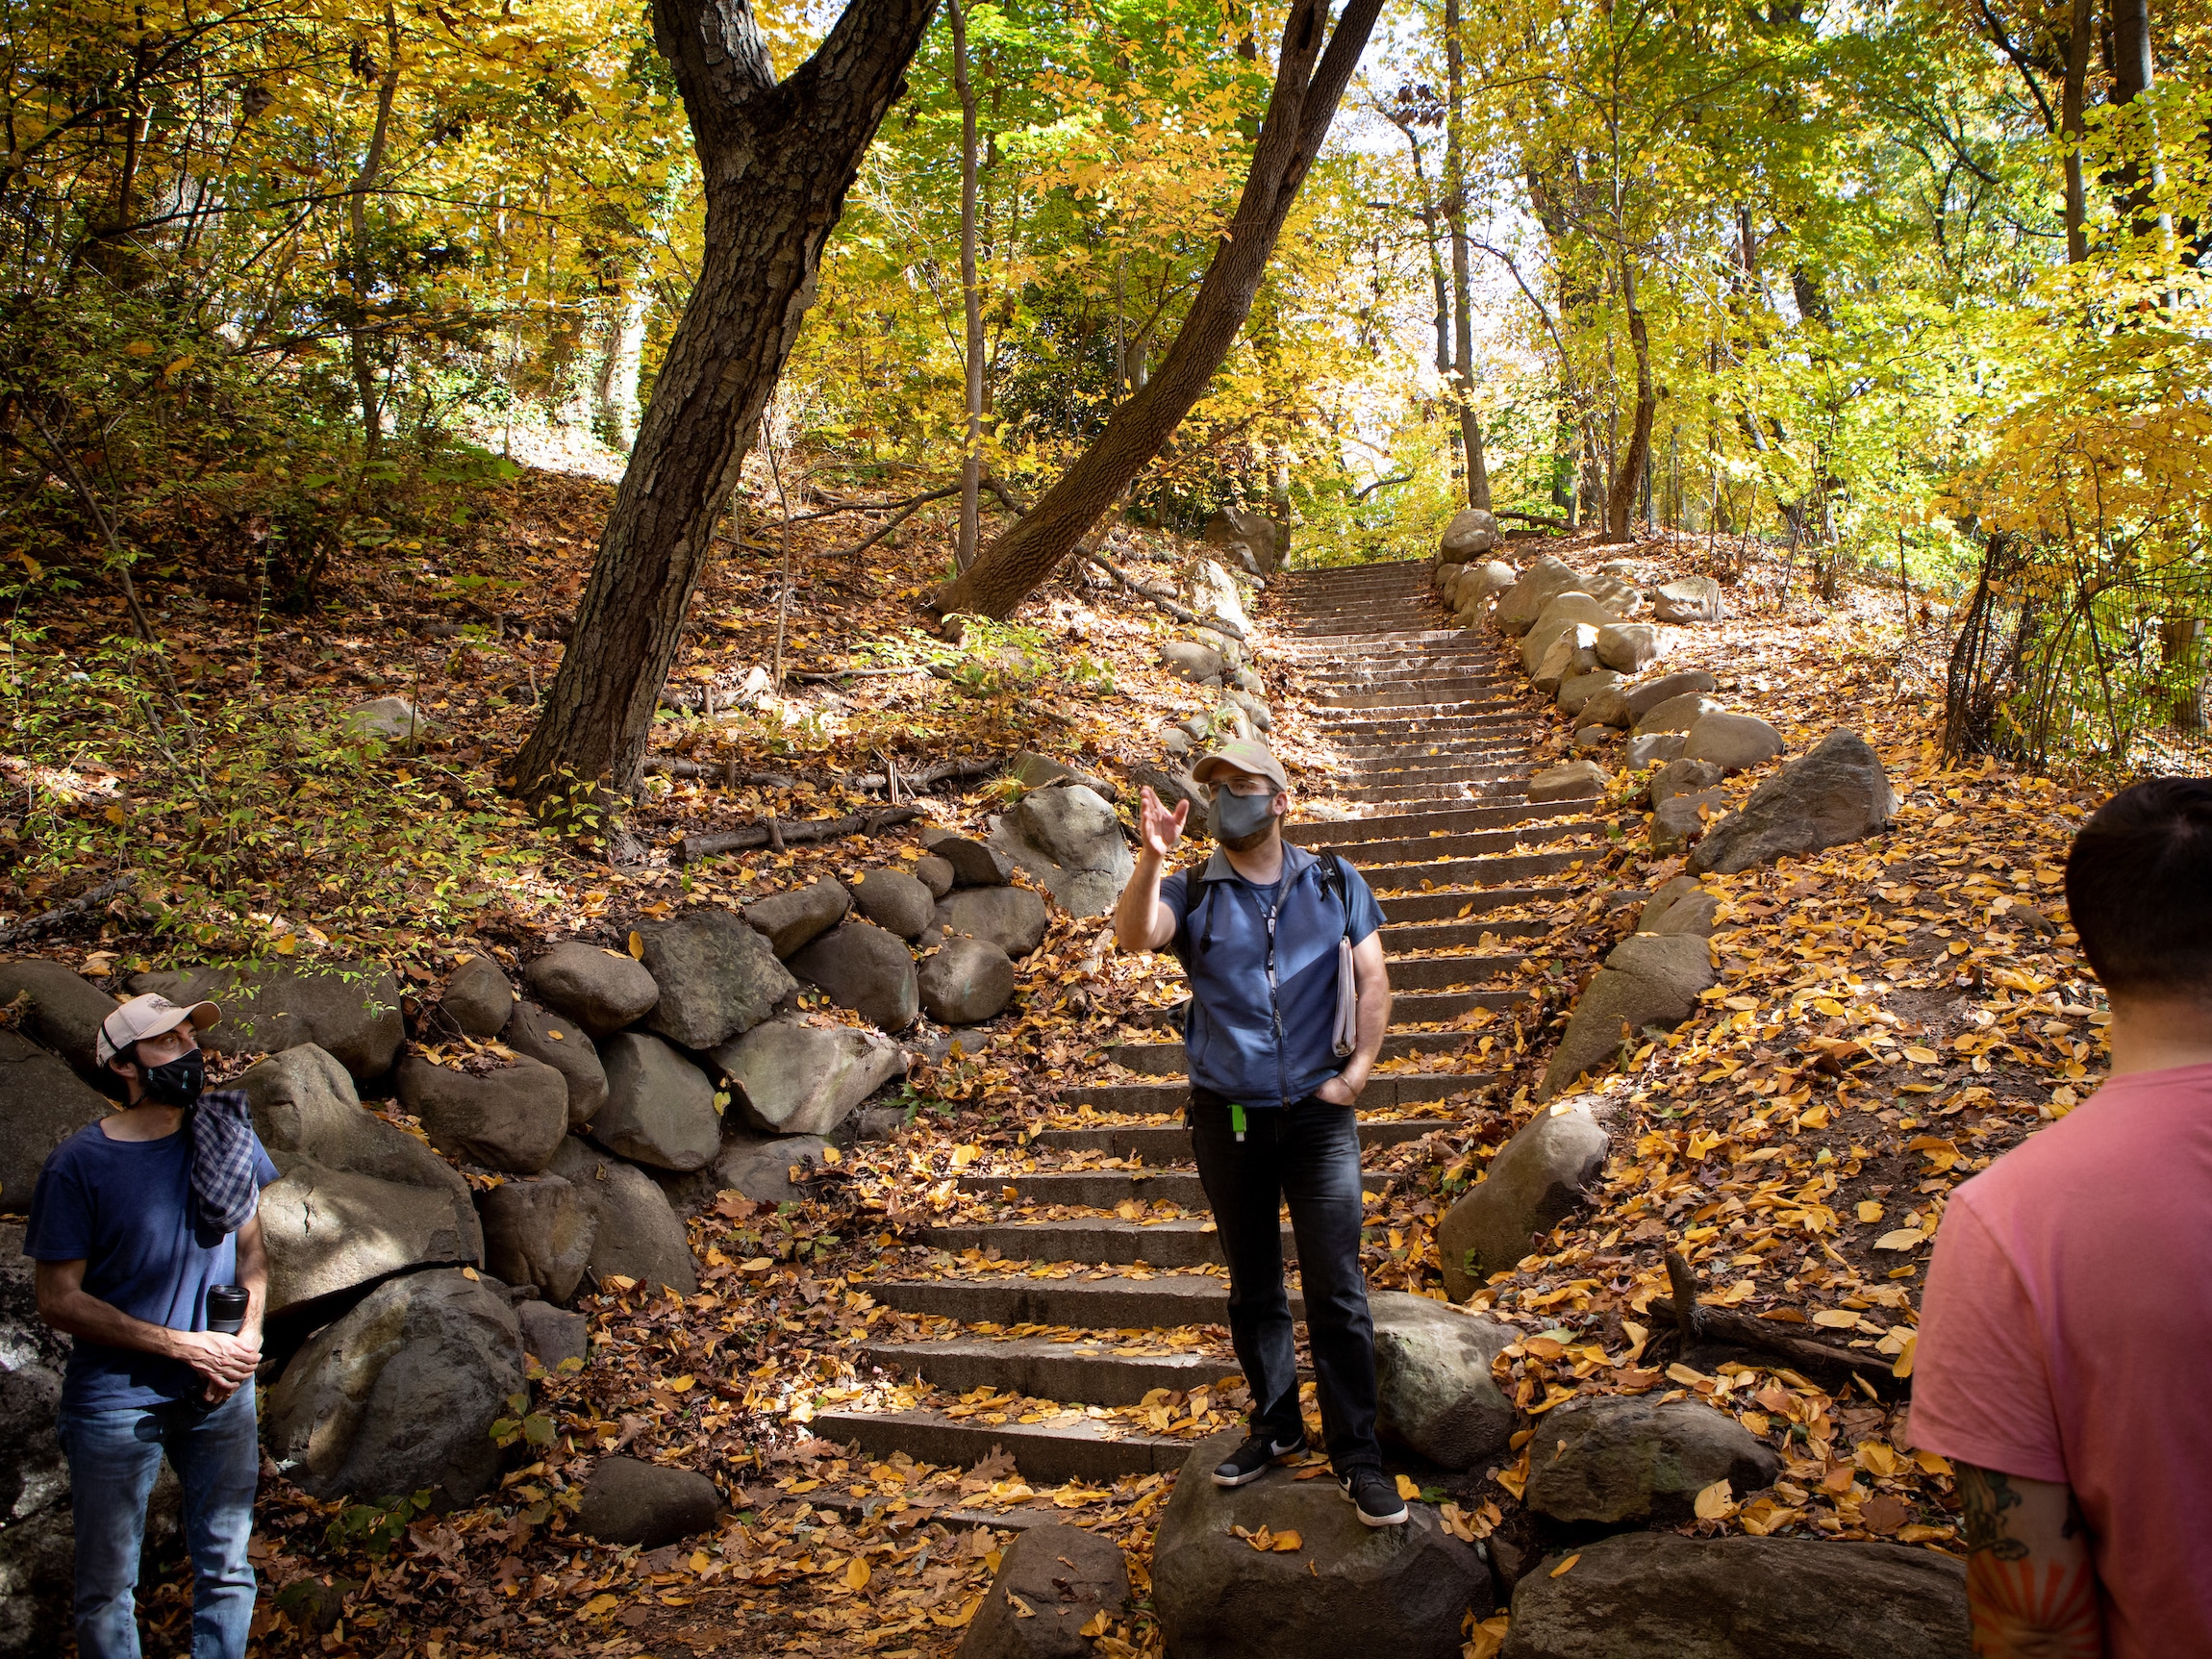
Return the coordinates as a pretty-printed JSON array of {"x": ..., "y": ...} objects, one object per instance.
[
  {"x": 137, "y": 1222},
  {"x": 1260, "y": 930}
]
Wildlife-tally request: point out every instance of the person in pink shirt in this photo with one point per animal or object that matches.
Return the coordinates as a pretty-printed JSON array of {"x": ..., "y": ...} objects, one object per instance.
[{"x": 2066, "y": 1331}]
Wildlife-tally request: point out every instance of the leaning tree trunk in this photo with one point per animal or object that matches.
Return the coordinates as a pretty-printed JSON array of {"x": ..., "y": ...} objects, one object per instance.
[
  {"x": 1629, "y": 474},
  {"x": 777, "y": 158},
  {"x": 1309, "y": 80}
]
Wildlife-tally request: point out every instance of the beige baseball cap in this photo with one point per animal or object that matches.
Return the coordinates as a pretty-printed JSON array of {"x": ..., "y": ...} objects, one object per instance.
[
  {"x": 1242, "y": 755},
  {"x": 149, "y": 1016}
]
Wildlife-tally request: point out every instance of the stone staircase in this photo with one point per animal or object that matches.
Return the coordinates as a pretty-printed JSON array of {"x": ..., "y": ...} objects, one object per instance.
[{"x": 1432, "y": 746}]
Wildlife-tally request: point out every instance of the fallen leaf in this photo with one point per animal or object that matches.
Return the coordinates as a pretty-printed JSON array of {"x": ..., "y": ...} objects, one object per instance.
[
  {"x": 1566, "y": 1566},
  {"x": 856, "y": 1574},
  {"x": 1716, "y": 1502}
]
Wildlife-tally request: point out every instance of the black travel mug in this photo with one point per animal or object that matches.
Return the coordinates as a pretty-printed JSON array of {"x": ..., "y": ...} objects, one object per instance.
[{"x": 227, "y": 1308}]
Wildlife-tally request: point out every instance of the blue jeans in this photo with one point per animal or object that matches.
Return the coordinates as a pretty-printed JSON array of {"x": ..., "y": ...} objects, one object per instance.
[
  {"x": 1306, "y": 1155},
  {"x": 114, "y": 1457}
]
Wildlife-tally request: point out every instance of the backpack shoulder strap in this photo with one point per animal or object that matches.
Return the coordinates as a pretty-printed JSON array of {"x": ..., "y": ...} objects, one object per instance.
[{"x": 1333, "y": 882}]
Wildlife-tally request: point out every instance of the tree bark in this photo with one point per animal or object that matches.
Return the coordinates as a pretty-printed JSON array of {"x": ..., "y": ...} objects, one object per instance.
[
  {"x": 1433, "y": 236},
  {"x": 1628, "y": 469},
  {"x": 1462, "y": 299},
  {"x": 2081, "y": 23},
  {"x": 776, "y": 159},
  {"x": 1309, "y": 80},
  {"x": 972, "y": 296},
  {"x": 361, "y": 275}
]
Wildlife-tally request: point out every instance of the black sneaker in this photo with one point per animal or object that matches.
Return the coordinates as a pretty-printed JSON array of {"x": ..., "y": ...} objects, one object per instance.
[
  {"x": 1373, "y": 1494},
  {"x": 1251, "y": 1460}
]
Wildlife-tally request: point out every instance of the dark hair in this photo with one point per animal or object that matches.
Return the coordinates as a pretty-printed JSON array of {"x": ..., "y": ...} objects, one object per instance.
[{"x": 2139, "y": 888}]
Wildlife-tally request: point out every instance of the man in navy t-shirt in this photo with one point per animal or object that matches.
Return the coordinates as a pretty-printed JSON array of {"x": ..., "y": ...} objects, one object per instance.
[
  {"x": 128, "y": 1228},
  {"x": 1261, "y": 929}
]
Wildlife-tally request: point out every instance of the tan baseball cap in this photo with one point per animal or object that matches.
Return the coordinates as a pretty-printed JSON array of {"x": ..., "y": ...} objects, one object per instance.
[
  {"x": 1242, "y": 755},
  {"x": 149, "y": 1016}
]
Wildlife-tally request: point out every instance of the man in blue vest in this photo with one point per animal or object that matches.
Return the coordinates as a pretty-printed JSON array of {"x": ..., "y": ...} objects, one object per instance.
[{"x": 1276, "y": 1062}]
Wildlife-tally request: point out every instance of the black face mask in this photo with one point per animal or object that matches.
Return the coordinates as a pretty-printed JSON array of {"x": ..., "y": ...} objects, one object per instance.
[{"x": 177, "y": 1082}]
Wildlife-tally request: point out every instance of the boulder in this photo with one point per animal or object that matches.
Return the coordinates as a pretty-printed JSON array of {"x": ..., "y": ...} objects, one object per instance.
[
  {"x": 387, "y": 720},
  {"x": 1262, "y": 716},
  {"x": 1535, "y": 1180},
  {"x": 65, "y": 1008},
  {"x": 551, "y": 1335},
  {"x": 1472, "y": 531},
  {"x": 660, "y": 1107},
  {"x": 1518, "y": 606},
  {"x": 1732, "y": 742},
  {"x": 1213, "y": 593},
  {"x": 1171, "y": 788},
  {"x": 1679, "y": 906},
  {"x": 1684, "y": 777},
  {"x": 1576, "y": 690},
  {"x": 1563, "y": 611},
  {"x": 1652, "y": 748},
  {"x": 1621, "y": 1460},
  {"x": 867, "y": 970},
  {"x": 601, "y": 990},
  {"x": 793, "y": 1076},
  {"x": 1688, "y": 599},
  {"x": 1405, "y": 1590},
  {"x": 1572, "y": 781},
  {"x": 1436, "y": 1395},
  {"x": 1628, "y": 647},
  {"x": 1069, "y": 839},
  {"x": 510, "y": 1117},
  {"x": 973, "y": 864},
  {"x": 1591, "y": 739},
  {"x": 1052, "y": 1580},
  {"x": 559, "y": 1041},
  {"x": 1677, "y": 713},
  {"x": 1446, "y": 579},
  {"x": 791, "y": 921},
  {"x": 1837, "y": 792},
  {"x": 304, "y": 1110},
  {"x": 41, "y": 1105},
  {"x": 400, "y": 1394},
  {"x": 1010, "y": 917},
  {"x": 634, "y": 1229},
  {"x": 1645, "y": 1593},
  {"x": 718, "y": 978},
  {"x": 1189, "y": 660},
  {"x": 348, "y": 1010},
  {"x": 760, "y": 1168},
  {"x": 1617, "y": 594},
  {"x": 1648, "y": 981},
  {"x": 1680, "y": 819},
  {"x": 934, "y": 873},
  {"x": 1609, "y": 707},
  {"x": 1252, "y": 540},
  {"x": 477, "y": 997},
  {"x": 536, "y": 1233},
  {"x": 1647, "y": 695},
  {"x": 966, "y": 981},
  {"x": 1571, "y": 655},
  {"x": 895, "y": 901},
  {"x": 648, "y": 1504},
  {"x": 1480, "y": 582}
]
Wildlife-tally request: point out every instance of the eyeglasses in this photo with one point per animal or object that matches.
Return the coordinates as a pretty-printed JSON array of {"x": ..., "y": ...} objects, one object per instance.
[{"x": 1249, "y": 786}]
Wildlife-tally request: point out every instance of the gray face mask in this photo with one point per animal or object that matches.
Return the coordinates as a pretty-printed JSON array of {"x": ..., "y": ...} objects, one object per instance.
[{"x": 1240, "y": 822}]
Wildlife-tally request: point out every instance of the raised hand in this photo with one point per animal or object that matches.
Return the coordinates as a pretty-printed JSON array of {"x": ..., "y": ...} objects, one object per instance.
[{"x": 1157, "y": 828}]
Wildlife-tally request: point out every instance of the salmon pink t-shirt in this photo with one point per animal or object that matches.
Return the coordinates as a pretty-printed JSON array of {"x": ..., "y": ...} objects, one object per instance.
[{"x": 2066, "y": 1335}]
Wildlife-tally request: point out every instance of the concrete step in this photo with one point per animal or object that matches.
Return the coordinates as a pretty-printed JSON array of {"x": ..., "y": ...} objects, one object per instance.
[
  {"x": 1167, "y": 1144},
  {"x": 1079, "y": 1449},
  {"x": 1103, "y": 1189},
  {"x": 1188, "y": 1242},
  {"x": 1496, "y": 870},
  {"x": 1348, "y": 836},
  {"x": 1107, "y": 1302},
  {"x": 1173, "y": 1093},
  {"x": 1455, "y": 934},
  {"x": 1043, "y": 1367},
  {"x": 1410, "y": 909},
  {"x": 1166, "y": 1059}
]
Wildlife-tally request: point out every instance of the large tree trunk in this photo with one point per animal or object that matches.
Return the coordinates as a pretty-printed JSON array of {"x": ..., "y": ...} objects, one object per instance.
[
  {"x": 971, "y": 299},
  {"x": 1309, "y": 80},
  {"x": 777, "y": 158},
  {"x": 2081, "y": 23},
  {"x": 1462, "y": 299},
  {"x": 1628, "y": 470},
  {"x": 360, "y": 273}
]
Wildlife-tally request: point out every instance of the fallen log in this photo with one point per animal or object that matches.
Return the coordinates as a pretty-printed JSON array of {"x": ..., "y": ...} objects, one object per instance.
[
  {"x": 1694, "y": 1322},
  {"x": 780, "y": 833},
  {"x": 46, "y": 922},
  {"x": 684, "y": 766},
  {"x": 871, "y": 782}
]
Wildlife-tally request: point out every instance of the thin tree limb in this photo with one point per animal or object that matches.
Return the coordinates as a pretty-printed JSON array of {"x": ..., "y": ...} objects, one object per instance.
[
  {"x": 1181, "y": 613},
  {"x": 805, "y": 832}
]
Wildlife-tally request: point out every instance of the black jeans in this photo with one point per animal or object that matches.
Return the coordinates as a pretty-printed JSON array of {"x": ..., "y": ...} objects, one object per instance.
[{"x": 1308, "y": 1155}]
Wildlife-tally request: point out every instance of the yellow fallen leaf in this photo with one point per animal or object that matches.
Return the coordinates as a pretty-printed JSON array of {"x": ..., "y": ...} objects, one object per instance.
[
  {"x": 963, "y": 1156},
  {"x": 287, "y": 944},
  {"x": 1839, "y": 1318},
  {"x": 699, "y": 1562},
  {"x": 682, "y": 1385},
  {"x": 1096, "y": 1625},
  {"x": 1920, "y": 1056},
  {"x": 1022, "y": 1608},
  {"x": 856, "y": 1574},
  {"x": 1869, "y": 1211},
  {"x": 1829, "y": 1006},
  {"x": 1901, "y": 1239},
  {"x": 1408, "y": 1488},
  {"x": 598, "y": 1605},
  {"x": 1288, "y": 1542},
  {"x": 636, "y": 944},
  {"x": 1567, "y": 1566},
  {"x": 1487, "y": 1637},
  {"x": 1716, "y": 1502},
  {"x": 1904, "y": 1368}
]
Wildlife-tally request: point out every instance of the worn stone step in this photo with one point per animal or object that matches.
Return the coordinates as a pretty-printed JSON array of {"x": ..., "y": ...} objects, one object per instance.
[
  {"x": 1171, "y": 1094},
  {"x": 1166, "y": 1144},
  {"x": 1404, "y": 795},
  {"x": 1348, "y": 836},
  {"x": 1432, "y": 694},
  {"x": 1188, "y": 1242},
  {"x": 1412, "y": 909},
  {"x": 1308, "y": 645},
  {"x": 1046, "y": 1452},
  {"x": 1457, "y": 933},
  {"x": 1495, "y": 869},
  {"x": 1085, "y": 1370},
  {"x": 1103, "y": 1189},
  {"x": 1166, "y": 1059},
  {"x": 1107, "y": 1302}
]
